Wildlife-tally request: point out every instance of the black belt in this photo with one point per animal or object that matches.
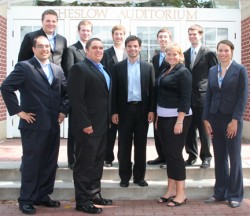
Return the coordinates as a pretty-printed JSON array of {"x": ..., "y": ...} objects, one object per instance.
[{"x": 134, "y": 102}]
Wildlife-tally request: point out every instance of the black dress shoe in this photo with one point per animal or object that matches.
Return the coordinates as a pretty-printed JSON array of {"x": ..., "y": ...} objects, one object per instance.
[
  {"x": 156, "y": 161},
  {"x": 205, "y": 163},
  {"x": 97, "y": 199},
  {"x": 89, "y": 208},
  {"x": 190, "y": 162},
  {"x": 124, "y": 183},
  {"x": 27, "y": 209},
  {"x": 141, "y": 183},
  {"x": 49, "y": 203},
  {"x": 71, "y": 166},
  {"x": 107, "y": 163}
]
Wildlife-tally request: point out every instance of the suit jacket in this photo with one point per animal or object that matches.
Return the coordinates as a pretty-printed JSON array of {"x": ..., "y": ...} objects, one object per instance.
[
  {"x": 159, "y": 68},
  {"x": 89, "y": 98},
  {"x": 174, "y": 89},
  {"x": 74, "y": 53},
  {"x": 109, "y": 58},
  {"x": 120, "y": 87},
  {"x": 36, "y": 94},
  {"x": 26, "y": 52},
  {"x": 205, "y": 59},
  {"x": 232, "y": 97}
]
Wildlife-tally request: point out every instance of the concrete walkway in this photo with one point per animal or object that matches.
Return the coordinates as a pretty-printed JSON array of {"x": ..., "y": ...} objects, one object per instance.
[{"x": 10, "y": 153}]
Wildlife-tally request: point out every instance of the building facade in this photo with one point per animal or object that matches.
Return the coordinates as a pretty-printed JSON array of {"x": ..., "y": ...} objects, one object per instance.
[{"x": 142, "y": 21}]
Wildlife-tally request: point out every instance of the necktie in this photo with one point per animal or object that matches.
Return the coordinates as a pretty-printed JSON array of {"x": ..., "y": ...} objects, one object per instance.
[
  {"x": 193, "y": 56},
  {"x": 162, "y": 57},
  {"x": 105, "y": 74},
  {"x": 49, "y": 74}
]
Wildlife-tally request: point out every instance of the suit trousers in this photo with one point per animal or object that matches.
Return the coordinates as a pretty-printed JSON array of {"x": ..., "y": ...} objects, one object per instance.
[
  {"x": 111, "y": 142},
  {"x": 133, "y": 125},
  {"x": 70, "y": 141},
  {"x": 158, "y": 145},
  {"x": 173, "y": 145},
  {"x": 87, "y": 173},
  {"x": 191, "y": 141},
  {"x": 229, "y": 181},
  {"x": 39, "y": 164}
]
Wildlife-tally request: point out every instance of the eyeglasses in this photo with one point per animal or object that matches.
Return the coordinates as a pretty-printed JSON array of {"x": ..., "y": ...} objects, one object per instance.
[{"x": 43, "y": 46}]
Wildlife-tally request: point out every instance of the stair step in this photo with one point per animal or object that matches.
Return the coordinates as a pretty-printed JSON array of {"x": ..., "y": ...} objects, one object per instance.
[
  {"x": 9, "y": 190},
  {"x": 153, "y": 173}
]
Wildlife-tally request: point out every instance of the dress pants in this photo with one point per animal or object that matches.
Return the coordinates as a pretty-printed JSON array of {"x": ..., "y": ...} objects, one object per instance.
[
  {"x": 87, "y": 174},
  {"x": 39, "y": 164},
  {"x": 158, "y": 145},
  {"x": 229, "y": 181},
  {"x": 173, "y": 145},
  {"x": 191, "y": 141},
  {"x": 70, "y": 141},
  {"x": 111, "y": 142},
  {"x": 133, "y": 125}
]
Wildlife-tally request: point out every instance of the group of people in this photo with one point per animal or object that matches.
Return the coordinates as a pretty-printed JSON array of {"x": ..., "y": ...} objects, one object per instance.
[{"x": 105, "y": 91}]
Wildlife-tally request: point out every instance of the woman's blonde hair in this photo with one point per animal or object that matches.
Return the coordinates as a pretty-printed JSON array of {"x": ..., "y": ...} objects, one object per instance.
[{"x": 176, "y": 47}]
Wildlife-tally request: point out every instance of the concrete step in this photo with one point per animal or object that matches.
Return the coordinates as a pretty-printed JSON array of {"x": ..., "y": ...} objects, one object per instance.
[
  {"x": 65, "y": 190},
  {"x": 199, "y": 183},
  {"x": 10, "y": 171}
]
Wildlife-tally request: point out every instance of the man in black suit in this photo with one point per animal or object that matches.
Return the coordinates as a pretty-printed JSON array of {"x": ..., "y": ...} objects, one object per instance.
[
  {"x": 198, "y": 59},
  {"x": 89, "y": 94},
  {"x": 58, "y": 43},
  {"x": 133, "y": 109},
  {"x": 112, "y": 55},
  {"x": 43, "y": 106},
  {"x": 164, "y": 37},
  {"x": 75, "y": 53}
]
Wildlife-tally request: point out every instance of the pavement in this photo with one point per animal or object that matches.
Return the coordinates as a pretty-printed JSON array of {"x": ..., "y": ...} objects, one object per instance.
[{"x": 11, "y": 151}]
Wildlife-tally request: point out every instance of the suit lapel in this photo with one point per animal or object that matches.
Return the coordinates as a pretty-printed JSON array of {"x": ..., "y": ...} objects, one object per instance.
[
  {"x": 39, "y": 69},
  {"x": 199, "y": 55},
  {"x": 80, "y": 49},
  {"x": 125, "y": 74},
  {"x": 229, "y": 74},
  {"x": 113, "y": 55}
]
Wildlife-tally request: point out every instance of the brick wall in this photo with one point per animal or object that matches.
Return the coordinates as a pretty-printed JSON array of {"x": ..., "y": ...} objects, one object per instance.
[
  {"x": 3, "y": 62},
  {"x": 245, "y": 57}
]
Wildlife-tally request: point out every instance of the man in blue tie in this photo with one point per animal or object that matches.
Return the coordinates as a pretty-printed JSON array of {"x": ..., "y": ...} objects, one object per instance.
[
  {"x": 164, "y": 37},
  {"x": 89, "y": 93}
]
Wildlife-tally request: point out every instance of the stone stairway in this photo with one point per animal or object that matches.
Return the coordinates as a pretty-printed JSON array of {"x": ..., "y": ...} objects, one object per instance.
[{"x": 199, "y": 183}]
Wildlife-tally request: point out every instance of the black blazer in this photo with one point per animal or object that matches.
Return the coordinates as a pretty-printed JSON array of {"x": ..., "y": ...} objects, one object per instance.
[
  {"x": 174, "y": 89},
  {"x": 109, "y": 58},
  {"x": 159, "y": 68},
  {"x": 74, "y": 53},
  {"x": 89, "y": 98},
  {"x": 120, "y": 87},
  {"x": 36, "y": 94},
  {"x": 232, "y": 97},
  {"x": 26, "y": 52},
  {"x": 205, "y": 59}
]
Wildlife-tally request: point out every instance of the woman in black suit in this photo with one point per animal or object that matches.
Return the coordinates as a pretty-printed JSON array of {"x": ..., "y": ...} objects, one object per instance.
[
  {"x": 226, "y": 99},
  {"x": 173, "y": 90}
]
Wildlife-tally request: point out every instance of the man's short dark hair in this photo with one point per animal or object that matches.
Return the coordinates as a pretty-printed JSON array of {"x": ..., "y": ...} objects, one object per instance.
[
  {"x": 132, "y": 38},
  {"x": 49, "y": 12}
]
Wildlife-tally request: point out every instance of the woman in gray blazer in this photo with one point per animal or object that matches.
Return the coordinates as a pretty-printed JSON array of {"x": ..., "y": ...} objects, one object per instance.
[{"x": 226, "y": 98}]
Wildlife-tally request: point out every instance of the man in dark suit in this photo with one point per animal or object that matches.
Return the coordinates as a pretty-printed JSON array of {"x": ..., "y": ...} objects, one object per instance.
[
  {"x": 198, "y": 59},
  {"x": 58, "y": 43},
  {"x": 133, "y": 109},
  {"x": 43, "y": 106},
  {"x": 112, "y": 55},
  {"x": 89, "y": 94},
  {"x": 75, "y": 53},
  {"x": 164, "y": 37}
]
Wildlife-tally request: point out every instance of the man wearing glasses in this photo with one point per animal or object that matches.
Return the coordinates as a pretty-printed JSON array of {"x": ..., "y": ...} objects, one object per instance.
[{"x": 42, "y": 108}]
